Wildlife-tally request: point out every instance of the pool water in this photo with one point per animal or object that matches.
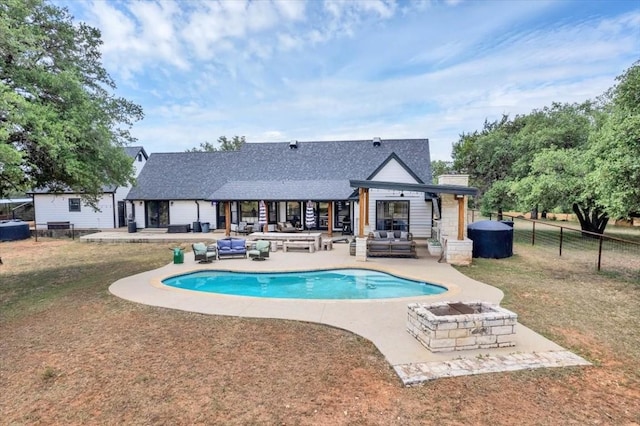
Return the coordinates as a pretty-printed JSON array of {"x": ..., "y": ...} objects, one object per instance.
[{"x": 322, "y": 284}]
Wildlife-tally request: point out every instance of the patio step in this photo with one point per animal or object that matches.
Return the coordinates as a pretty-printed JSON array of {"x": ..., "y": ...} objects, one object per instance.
[{"x": 153, "y": 231}]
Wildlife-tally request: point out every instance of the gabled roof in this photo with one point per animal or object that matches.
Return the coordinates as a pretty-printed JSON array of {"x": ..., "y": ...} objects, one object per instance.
[
  {"x": 132, "y": 151},
  {"x": 274, "y": 171}
]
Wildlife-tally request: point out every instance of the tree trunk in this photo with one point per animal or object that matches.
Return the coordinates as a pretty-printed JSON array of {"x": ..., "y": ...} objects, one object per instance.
[{"x": 591, "y": 220}]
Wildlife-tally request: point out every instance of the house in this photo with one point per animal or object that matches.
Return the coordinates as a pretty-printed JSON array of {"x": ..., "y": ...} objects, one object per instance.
[
  {"x": 225, "y": 188},
  {"x": 68, "y": 206}
]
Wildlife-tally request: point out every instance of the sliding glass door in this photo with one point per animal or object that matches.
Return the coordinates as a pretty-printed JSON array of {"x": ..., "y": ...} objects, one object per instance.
[
  {"x": 392, "y": 215},
  {"x": 157, "y": 214}
]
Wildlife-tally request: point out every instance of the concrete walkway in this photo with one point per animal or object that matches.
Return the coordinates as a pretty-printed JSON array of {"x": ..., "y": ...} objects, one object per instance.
[{"x": 381, "y": 321}]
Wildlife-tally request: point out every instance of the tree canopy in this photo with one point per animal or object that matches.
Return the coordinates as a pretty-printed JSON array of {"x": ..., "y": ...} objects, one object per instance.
[
  {"x": 580, "y": 157},
  {"x": 615, "y": 148},
  {"x": 60, "y": 125},
  {"x": 225, "y": 144}
]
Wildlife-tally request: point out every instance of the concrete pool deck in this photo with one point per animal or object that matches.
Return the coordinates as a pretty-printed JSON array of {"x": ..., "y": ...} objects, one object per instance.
[{"x": 381, "y": 321}]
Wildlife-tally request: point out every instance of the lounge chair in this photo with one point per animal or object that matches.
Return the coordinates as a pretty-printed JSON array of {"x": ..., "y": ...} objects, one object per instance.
[
  {"x": 261, "y": 250},
  {"x": 204, "y": 254}
]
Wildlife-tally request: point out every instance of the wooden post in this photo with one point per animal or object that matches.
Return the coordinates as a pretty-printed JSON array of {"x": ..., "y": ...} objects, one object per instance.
[
  {"x": 460, "y": 218},
  {"x": 361, "y": 202},
  {"x": 265, "y": 228},
  {"x": 366, "y": 206},
  {"x": 227, "y": 218},
  {"x": 330, "y": 225}
]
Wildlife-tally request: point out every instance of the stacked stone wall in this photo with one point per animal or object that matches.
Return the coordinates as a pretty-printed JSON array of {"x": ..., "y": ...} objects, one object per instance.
[{"x": 491, "y": 327}]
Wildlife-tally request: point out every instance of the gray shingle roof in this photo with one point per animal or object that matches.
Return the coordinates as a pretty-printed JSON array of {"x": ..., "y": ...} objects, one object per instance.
[{"x": 273, "y": 171}]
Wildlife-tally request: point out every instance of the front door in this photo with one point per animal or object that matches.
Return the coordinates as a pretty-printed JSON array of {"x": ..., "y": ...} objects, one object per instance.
[
  {"x": 322, "y": 216},
  {"x": 121, "y": 221},
  {"x": 157, "y": 214},
  {"x": 221, "y": 215}
]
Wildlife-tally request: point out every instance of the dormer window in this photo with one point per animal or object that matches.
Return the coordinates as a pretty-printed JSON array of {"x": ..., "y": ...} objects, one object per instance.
[{"x": 140, "y": 157}]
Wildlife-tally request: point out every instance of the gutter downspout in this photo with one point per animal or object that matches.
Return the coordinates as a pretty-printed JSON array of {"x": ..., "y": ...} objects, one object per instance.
[
  {"x": 113, "y": 201},
  {"x": 197, "y": 210}
]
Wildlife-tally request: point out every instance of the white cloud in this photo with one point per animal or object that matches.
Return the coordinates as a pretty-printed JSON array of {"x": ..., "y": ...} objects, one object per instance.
[
  {"x": 291, "y": 9},
  {"x": 280, "y": 70}
]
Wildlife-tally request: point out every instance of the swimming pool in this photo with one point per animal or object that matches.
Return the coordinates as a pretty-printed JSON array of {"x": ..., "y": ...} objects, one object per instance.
[{"x": 321, "y": 284}]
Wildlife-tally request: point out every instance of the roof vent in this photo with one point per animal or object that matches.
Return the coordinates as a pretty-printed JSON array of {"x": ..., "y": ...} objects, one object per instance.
[
  {"x": 376, "y": 141},
  {"x": 293, "y": 144}
]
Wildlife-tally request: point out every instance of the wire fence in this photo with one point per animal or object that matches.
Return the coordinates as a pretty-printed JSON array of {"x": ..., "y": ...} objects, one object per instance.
[{"x": 618, "y": 251}]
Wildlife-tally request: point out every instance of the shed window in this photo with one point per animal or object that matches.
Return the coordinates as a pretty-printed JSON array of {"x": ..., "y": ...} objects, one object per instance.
[{"x": 74, "y": 204}]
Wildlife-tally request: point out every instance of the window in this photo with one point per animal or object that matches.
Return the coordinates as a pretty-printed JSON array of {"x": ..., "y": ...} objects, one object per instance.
[
  {"x": 293, "y": 213},
  {"x": 342, "y": 214},
  {"x": 392, "y": 215},
  {"x": 74, "y": 204},
  {"x": 140, "y": 158},
  {"x": 249, "y": 211}
]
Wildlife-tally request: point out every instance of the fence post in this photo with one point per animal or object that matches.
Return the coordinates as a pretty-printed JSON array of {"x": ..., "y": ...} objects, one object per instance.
[
  {"x": 599, "y": 252},
  {"x": 73, "y": 234},
  {"x": 35, "y": 227},
  {"x": 561, "y": 228},
  {"x": 533, "y": 235}
]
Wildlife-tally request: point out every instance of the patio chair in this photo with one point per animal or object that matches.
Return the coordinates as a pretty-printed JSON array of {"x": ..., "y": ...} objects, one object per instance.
[
  {"x": 261, "y": 250},
  {"x": 243, "y": 228},
  {"x": 204, "y": 254}
]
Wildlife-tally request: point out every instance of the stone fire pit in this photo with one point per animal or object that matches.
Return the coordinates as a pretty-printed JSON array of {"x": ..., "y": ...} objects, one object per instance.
[{"x": 457, "y": 326}]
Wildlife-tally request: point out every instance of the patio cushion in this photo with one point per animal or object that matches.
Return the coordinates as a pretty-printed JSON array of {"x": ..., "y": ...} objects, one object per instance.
[
  {"x": 237, "y": 243},
  {"x": 199, "y": 248}
]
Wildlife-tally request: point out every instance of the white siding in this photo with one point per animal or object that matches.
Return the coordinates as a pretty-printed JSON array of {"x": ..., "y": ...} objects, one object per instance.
[
  {"x": 394, "y": 172},
  {"x": 186, "y": 211},
  {"x": 208, "y": 214},
  {"x": 122, "y": 192},
  {"x": 55, "y": 208},
  {"x": 420, "y": 211}
]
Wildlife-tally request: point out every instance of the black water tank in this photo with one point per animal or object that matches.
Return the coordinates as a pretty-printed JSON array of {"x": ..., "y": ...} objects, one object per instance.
[
  {"x": 13, "y": 230},
  {"x": 493, "y": 240}
]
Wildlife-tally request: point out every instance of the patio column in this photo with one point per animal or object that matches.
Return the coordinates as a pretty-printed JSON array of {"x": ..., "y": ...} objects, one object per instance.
[
  {"x": 361, "y": 213},
  {"x": 330, "y": 219},
  {"x": 461, "y": 202},
  {"x": 265, "y": 228},
  {"x": 361, "y": 240},
  {"x": 366, "y": 206},
  {"x": 227, "y": 218}
]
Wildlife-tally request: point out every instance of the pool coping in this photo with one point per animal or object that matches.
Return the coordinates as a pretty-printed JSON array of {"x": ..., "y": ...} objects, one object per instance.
[{"x": 382, "y": 321}]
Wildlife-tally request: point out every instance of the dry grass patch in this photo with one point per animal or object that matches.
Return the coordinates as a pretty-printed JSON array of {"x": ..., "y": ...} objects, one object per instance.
[{"x": 71, "y": 353}]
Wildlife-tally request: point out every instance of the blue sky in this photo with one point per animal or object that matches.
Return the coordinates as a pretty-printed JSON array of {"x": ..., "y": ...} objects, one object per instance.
[{"x": 333, "y": 70}]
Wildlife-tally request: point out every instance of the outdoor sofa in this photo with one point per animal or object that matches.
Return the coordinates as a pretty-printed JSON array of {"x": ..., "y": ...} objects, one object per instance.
[
  {"x": 391, "y": 244},
  {"x": 231, "y": 247}
]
